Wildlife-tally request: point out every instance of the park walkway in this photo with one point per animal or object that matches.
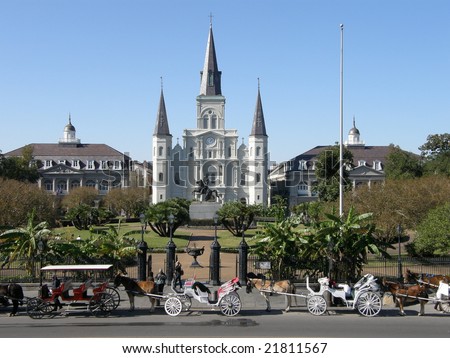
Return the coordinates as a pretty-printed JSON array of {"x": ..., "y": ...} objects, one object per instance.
[{"x": 200, "y": 238}]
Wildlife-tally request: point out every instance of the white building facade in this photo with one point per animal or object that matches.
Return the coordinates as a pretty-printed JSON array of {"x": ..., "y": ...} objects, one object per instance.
[{"x": 210, "y": 151}]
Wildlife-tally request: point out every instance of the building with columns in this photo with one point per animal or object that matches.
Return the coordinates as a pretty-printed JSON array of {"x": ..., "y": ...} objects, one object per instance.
[
  {"x": 210, "y": 151},
  {"x": 70, "y": 164},
  {"x": 294, "y": 179}
]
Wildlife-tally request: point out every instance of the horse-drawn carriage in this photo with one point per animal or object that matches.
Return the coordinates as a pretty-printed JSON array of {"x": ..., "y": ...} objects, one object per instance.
[
  {"x": 226, "y": 297},
  {"x": 364, "y": 296},
  {"x": 99, "y": 299},
  {"x": 176, "y": 301}
]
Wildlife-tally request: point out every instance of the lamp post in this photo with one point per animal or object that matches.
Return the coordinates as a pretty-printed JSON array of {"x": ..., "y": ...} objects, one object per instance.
[
  {"x": 400, "y": 270},
  {"x": 40, "y": 247},
  {"x": 215, "y": 256},
  {"x": 243, "y": 253},
  {"x": 170, "y": 251},
  {"x": 142, "y": 254}
]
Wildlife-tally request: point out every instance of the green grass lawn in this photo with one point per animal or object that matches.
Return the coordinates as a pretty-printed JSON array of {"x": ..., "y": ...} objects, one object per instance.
[{"x": 181, "y": 235}]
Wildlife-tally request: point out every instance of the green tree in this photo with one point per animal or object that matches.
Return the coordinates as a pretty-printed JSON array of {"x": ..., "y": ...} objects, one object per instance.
[
  {"x": 401, "y": 164},
  {"x": 341, "y": 244},
  {"x": 21, "y": 168},
  {"x": 81, "y": 195},
  {"x": 236, "y": 217},
  {"x": 327, "y": 173},
  {"x": 115, "y": 247},
  {"x": 84, "y": 216},
  {"x": 276, "y": 243},
  {"x": 406, "y": 202},
  {"x": 433, "y": 233},
  {"x": 436, "y": 154},
  {"x": 18, "y": 198},
  {"x": 23, "y": 242},
  {"x": 131, "y": 201},
  {"x": 157, "y": 215}
]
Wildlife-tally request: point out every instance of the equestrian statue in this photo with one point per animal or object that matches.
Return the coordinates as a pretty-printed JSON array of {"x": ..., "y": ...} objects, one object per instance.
[{"x": 203, "y": 189}]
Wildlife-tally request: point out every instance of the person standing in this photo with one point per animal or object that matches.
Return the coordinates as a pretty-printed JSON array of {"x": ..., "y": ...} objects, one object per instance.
[
  {"x": 160, "y": 280},
  {"x": 178, "y": 273},
  {"x": 56, "y": 282}
]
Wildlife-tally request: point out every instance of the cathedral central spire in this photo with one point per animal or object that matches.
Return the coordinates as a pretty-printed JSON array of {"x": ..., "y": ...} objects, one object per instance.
[{"x": 210, "y": 84}]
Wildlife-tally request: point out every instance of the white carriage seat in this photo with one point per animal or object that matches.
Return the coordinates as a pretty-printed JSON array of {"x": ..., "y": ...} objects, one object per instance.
[
  {"x": 200, "y": 289},
  {"x": 347, "y": 290}
]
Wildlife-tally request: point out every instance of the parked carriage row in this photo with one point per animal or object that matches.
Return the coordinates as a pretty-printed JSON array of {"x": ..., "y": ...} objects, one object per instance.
[{"x": 101, "y": 300}]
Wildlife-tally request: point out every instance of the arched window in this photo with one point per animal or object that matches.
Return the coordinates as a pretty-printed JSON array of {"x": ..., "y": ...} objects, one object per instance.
[
  {"x": 213, "y": 121},
  {"x": 161, "y": 177},
  {"x": 205, "y": 122},
  {"x": 258, "y": 151},
  {"x": 75, "y": 184},
  {"x": 160, "y": 151},
  {"x": 90, "y": 184},
  {"x": 48, "y": 185}
]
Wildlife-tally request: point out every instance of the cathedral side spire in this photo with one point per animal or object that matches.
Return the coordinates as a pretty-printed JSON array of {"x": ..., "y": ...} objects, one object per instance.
[
  {"x": 162, "y": 124},
  {"x": 210, "y": 84},
  {"x": 259, "y": 125}
]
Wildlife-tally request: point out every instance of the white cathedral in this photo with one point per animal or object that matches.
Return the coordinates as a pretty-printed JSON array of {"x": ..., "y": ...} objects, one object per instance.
[{"x": 210, "y": 152}]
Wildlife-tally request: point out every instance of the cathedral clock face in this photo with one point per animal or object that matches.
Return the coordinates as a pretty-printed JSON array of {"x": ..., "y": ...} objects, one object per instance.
[{"x": 210, "y": 141}]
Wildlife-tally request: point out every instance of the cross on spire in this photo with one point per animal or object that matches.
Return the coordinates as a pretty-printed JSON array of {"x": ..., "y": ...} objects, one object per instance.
[{"x": 210, "y": 18}]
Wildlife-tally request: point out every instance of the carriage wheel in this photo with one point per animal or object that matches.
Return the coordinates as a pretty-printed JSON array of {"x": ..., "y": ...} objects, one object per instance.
[
  {"x": 173, "y": 306},
  {"x": 230, "y": 305},
  {"x": 38, "y": 308},
  {"x": 369, "y": 304},
  {"x": 316, "y": 305},
  {"x": 101, "y": 304},
  {"x": 445, "y": 307},
  {"x": 186, "y": 301},
  {"x": 115, "y": 296}
]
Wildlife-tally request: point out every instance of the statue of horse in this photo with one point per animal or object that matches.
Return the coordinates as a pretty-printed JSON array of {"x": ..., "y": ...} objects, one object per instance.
[
  {"x": 137, "y": 288},
  {"x": 432, "y": 280},
  {"x": 401, "y": 293},
  {"x": 14, "y": 292},
  {"x": 203, "y": 189},
  {"x": 268, "y": 287}
]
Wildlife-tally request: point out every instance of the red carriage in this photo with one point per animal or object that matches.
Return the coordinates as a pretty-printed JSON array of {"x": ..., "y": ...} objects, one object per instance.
[{"x": 87, "y": 296}]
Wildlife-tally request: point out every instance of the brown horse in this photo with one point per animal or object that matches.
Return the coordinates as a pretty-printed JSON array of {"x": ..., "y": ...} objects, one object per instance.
[
  {"x": 268, "y": 287},
  {"x": 14, "y": 292},
  {"x": 401, "y": 293},
  {"x": 433, "y": 281},
  {"x": 137, "y": 288}
]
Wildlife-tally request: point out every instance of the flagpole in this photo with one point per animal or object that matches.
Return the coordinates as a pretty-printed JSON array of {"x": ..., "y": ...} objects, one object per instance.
[{"x": 341, "y": 125}]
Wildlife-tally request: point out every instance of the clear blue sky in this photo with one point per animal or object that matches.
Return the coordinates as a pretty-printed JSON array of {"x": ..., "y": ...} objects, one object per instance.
[{"x": 101, "y": 60}]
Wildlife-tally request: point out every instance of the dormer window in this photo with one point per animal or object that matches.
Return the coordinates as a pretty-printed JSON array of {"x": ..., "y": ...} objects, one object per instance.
[
  {"x": 48, "y": 163},
  {"x": 377, "y": 165},
  {"x": 361, "y": 163},
  {"x": 75, "y": 163},
  {"x": 90, "y": 164}
]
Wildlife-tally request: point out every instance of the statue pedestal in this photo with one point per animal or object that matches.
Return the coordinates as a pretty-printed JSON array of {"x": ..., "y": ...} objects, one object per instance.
[{"x": 201, "y": 210}]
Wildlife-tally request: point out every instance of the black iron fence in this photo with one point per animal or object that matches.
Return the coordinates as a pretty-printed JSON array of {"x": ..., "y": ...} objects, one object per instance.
[{"x": 380, "y": 267}]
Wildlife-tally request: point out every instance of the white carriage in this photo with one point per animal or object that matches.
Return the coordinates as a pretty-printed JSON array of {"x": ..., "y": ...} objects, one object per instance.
[
  {"x": 226, "y": 298},
  {"x": 364, "y": 296}
]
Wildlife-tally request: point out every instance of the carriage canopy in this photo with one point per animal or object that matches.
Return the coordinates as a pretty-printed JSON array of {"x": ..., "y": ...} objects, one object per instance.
[{"x": 77, "y": 267}]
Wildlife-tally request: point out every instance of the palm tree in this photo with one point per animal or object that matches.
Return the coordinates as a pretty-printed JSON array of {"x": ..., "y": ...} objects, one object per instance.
[
  {"x": 276, "y": 243},
  {"x": 24, "y": 242},
  {"x": 114, "y": 247},
  {"x": 342, "y": 244}
]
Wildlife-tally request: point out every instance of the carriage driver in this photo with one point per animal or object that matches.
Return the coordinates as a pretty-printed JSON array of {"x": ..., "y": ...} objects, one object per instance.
[{"x": 56, "y": 282}]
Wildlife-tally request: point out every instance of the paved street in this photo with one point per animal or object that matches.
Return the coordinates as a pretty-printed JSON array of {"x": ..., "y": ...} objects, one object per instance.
[{"x": 252, "y": 321}]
